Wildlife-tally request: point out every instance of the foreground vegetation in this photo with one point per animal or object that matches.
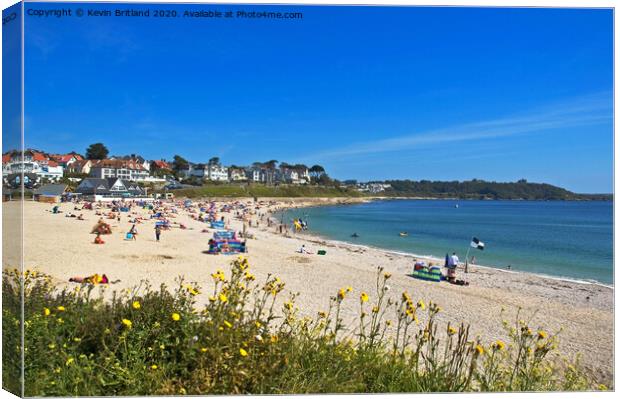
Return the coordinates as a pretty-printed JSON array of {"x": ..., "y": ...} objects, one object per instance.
[{"x": 154, "y": 341}]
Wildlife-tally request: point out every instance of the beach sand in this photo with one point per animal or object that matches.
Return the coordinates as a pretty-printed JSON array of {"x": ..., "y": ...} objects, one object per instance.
[{"x": 63, "y": 247}]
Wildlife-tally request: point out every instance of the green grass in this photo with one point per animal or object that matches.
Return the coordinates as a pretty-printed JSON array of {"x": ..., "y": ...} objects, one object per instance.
[
  {"x": 260, "y": 190},
  {"x": 157, "y": 342}
]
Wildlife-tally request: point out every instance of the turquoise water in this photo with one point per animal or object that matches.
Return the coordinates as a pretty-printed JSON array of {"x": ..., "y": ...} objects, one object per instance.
[{"x": 557, "y": 238}]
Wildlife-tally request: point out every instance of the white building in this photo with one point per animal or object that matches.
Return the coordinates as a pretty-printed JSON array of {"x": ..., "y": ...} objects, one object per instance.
[
  {"x": 216, "y": 173},
  {"x": 236, "y": 174},
  {"x": 127, "y": 170},
  {"x": 253, "y": 174},
  {"x": 33, "y": 162}
]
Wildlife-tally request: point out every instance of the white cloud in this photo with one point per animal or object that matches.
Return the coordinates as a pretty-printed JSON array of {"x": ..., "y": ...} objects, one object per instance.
[{"x": 584, "y": 111}]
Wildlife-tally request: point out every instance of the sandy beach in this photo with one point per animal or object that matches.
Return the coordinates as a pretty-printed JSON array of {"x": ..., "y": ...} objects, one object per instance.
[{"x": 63, "y": 247}]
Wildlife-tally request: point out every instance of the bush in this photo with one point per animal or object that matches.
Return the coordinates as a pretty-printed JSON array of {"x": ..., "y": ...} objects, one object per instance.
[{"x": 149, "y": 341}]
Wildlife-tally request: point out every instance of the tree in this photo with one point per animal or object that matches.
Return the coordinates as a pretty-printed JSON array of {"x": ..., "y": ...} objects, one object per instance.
[
  {"x": 214, "y": 161},
  {"x": 317, "y": 171},
  {"x": 179, "y": 163},
  {"x": 271, "y": 164},
  {"x": 97, "y": 151}
]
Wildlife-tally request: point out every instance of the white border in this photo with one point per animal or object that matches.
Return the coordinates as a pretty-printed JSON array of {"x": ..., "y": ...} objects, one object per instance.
[{"x": 471, "y": 3}]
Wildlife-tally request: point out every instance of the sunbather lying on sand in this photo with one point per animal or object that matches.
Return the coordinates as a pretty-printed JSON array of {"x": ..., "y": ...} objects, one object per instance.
[
  {"x": 94, "y": 279},
  {"x": 303, "y": 250}
]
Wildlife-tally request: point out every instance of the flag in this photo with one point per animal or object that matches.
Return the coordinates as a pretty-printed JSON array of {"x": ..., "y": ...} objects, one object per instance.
[{"x": 476, "y": 243}]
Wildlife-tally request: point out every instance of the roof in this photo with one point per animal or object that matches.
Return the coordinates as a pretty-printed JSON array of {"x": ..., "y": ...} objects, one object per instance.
[
  {"x": 51, "y": 189},
  {"x": 38, "y": 156},
  {"x": 92, "y": 185},
  {"x": 161, "y": 164},
  {"x": 65, "y": 158},
  {"x": 117, "y": 164}
]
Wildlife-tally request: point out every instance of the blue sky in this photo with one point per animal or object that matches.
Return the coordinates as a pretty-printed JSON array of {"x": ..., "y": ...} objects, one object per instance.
[{"x": 367, "y": 92}]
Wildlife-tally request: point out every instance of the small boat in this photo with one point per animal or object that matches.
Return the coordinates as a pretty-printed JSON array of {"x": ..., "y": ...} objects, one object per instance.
[
  {"x": 403, "y": 234},
  {"x": 354, "y": 235}
]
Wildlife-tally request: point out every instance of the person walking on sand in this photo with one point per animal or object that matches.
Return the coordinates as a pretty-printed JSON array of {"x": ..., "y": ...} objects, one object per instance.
[
  {"x": 133, "y": 232},
  {"x": 157, "y": 232}
]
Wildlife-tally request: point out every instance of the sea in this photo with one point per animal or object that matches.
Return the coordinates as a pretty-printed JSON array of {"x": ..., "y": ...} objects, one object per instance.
[{"x": 564, "y": 239}]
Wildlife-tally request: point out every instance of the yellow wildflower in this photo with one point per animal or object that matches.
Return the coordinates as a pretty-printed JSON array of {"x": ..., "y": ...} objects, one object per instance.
[
  {"x": 203, "y": 350},
  {"x": 421, "y": 304},
  {"x": 175, "y": 316},
  {"x": 69, "y": 361},
  {"x": 451, "y": 330},
  {"x": 154, "y": 367},
  {"x": 243, "y": 352},
  {"x": 46, "y": 311},
  {"x": 542, "y": 335},
  {"x": 227, "y": 324},
  {"x": 127, "y": 323},
  {"x": 364, "y": 297},
  {"x": 349, "y": 289},
  {"x": 375, "y": 309},
  {"x": 387, "y": 275},
  {"x": 341, "y": 293},
  {"x": 479, "y": 349},
  {"x": 223, "y": 298},
  {"x": 61, "y": 308},
  {"x": 136, "y": 305},
  {"x": 500, "y": 345}
]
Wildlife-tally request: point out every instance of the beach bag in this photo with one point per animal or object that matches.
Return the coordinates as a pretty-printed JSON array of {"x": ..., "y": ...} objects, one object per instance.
[
  {"x": 321, "y": 252},
  {"x": 128, "y": 236}
]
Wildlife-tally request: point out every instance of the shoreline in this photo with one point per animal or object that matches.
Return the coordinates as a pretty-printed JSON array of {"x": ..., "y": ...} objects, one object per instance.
[{"x": 430, "y": 258}]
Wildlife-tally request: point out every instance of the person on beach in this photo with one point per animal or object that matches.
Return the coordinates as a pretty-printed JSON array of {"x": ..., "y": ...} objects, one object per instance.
[
  {"x": 98, "y": 239},
  {"x": 452, "y": 263},
  {"x": 455, "y": 260},
  {"x": 134, "y": 232},
  {"x": 94, "y": 279},
  {"x": 157, "y": 232},
  {"x": 303, "y": 250}
]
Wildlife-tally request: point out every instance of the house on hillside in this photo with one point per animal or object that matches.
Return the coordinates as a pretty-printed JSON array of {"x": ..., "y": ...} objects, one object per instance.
[
  {"x": 34, "y": 162},
  {"x": 160, "y": 164},
  {"x": 79, "y": 167},
  {"x": 216, "y": 172},
  {"x": 136, "y": 159},
  {"x": 122, "y": 169},
  {"x": 65, "y": 160},
  {"x": 236, "y": 174},
  {"x": 253, "y": 174}
]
